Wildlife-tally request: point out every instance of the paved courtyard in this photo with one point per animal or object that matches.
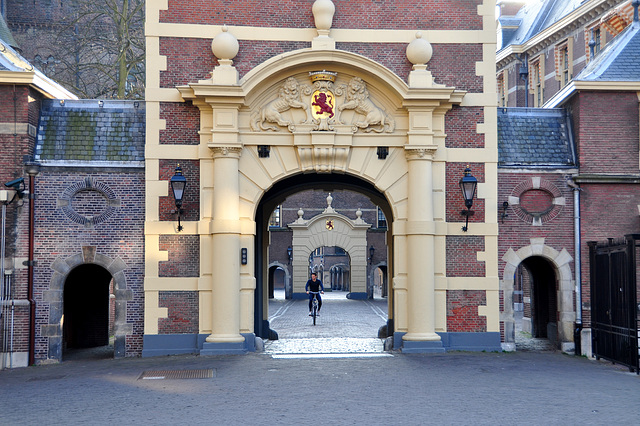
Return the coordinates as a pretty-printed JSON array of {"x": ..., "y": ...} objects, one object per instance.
[
  {"x": 334, "y": 373},
  {"x": 344, "y": 326}
]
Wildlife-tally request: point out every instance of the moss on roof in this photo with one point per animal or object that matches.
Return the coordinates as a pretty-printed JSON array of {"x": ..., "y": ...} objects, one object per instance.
[{"x": 84, "y": 131}]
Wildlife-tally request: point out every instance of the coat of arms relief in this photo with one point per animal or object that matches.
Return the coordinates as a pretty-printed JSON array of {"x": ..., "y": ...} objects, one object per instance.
[{"x": 321, "y": 108}]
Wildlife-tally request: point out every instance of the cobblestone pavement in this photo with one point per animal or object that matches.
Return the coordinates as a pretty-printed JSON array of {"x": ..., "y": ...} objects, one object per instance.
[
  {"x": 344, "y": 326},
  {"x": 332, "y": 374},
  {"x": 519, "y": 388}
]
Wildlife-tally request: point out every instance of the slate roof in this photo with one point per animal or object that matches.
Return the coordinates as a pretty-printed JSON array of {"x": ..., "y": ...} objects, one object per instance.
[
  {"x": 618, "y": 61},
  {"x": 534, "y": 17},
  {"x": 82, "y": 131},
  {"x": 535, "y": 137}
]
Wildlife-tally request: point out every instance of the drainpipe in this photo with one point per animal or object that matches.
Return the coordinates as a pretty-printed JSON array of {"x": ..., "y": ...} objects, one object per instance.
[
  {"x": 578, "y": 268},
  {"x": 32, "y": 168}
]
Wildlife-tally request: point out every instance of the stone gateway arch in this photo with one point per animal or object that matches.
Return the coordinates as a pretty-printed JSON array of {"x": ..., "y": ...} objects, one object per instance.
[{"x": 319, "y": 107}]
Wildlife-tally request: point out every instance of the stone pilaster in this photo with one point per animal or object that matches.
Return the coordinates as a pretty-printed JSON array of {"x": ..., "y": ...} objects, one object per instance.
[
  {"x": 421, "y": 305},
  {"x": 225, "y": 261}
]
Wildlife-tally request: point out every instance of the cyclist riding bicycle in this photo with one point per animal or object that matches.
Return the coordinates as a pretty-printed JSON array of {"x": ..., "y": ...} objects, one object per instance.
[{"x": 314, "y": 285}]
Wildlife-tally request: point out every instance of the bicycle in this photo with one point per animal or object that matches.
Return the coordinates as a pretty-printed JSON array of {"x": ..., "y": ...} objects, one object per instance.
[{"x": 314, "y": 307}]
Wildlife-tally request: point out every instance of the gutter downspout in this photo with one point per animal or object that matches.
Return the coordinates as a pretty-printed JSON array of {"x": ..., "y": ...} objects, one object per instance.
[
  {"x": 32, "y": 302},
  {"x": 32, "y": 168},
  {"x": 577, "y": 332}
]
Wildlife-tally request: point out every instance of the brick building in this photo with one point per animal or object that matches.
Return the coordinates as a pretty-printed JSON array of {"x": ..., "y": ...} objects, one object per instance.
[
  {"x": 22, "y": 91},
  {"x": 89, "y": 243},
  {"x": 590, "y": 173},
  {"x": 542, "y": 45},
  {"x": 264, "y": 130}
]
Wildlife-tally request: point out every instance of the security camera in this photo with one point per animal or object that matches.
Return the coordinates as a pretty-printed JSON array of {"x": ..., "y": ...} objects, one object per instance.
[{"x": 15, "y": 184}]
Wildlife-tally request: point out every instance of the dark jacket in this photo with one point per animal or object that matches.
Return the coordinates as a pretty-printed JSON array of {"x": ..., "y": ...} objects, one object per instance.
[{"x": 314, "y": 286}]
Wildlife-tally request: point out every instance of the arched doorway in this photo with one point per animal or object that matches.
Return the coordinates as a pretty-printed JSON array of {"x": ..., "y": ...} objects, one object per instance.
[
  {"x": 88, "y": 320},
  {"x": 538, "y": 282},
  {"x": 550, "y": 276},
  {"x": 275, "y": 196},
  {"x": 277, "y": 282},
  {"x": 379, "y": 282}
]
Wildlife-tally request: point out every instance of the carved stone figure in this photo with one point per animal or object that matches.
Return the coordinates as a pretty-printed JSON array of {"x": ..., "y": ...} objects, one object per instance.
[
  {"x": 288, "y": 97},
  {"x": 357, "y": 99}
]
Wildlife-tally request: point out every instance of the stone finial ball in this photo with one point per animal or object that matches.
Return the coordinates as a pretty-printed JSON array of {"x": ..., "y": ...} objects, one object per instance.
[
  {"x": 225, "y": 45},
  {"x": 323, "y": 11},
  {"x": 419, "y": 51}
]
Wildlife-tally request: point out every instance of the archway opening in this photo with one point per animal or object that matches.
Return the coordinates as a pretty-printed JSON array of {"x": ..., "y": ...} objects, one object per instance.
[
  {"x": 380, "y": 282},
  {"x": 309, "y": 193},
  {"x": 332, "y": 264},
  {"x": 535, "y": 302},
  {"x": 88, "y": 313},
  {"x": 277, "y": 282}
]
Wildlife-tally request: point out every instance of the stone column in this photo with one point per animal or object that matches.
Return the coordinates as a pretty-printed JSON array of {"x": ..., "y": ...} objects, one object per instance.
[
  {"x": 225, "y": 261},
  {"x": 421, "y": 335}
]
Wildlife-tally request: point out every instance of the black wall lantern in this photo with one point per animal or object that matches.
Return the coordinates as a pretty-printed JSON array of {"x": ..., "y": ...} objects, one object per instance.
[
  {"x": 468, "y": 185},
  {"x": 178, "y": 183},
  {"x": 290, "y": 254},
  {"x": 372, "y": 250}
]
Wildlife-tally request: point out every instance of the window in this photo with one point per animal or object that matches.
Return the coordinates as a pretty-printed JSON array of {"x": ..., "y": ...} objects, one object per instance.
[
  {"x": 382, "y": 221},
  {"x": 595, "y": 35},
  {"x": 593, "y": 39},
  {"x": 536, "y": 81},
  {"x": 502, "y": 89},
  {"x": 274, "y": 220},
  {"x": 564, "y": 65}
]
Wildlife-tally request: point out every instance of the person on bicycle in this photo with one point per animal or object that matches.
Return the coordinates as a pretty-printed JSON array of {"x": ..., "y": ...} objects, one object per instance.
[{"x": 315, "y": 285}]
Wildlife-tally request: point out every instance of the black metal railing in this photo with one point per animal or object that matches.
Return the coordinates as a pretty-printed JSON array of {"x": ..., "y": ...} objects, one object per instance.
[{"x": 614, "y": 304}]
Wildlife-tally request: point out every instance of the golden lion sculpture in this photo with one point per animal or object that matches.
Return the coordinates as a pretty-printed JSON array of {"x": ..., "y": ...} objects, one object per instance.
[
  {"x": 357, "y": 99},
  {"x": 288, "y": 97}
]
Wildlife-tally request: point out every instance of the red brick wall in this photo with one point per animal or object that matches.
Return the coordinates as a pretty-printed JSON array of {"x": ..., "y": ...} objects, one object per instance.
[
  {"x": 462, "y": 311},
  {"x": 461, "y": 127},
  {"x": 368, "y": 14},
  {"x": 516, "y": 231},
  {"x": 119, "y": 237},
  {"x": 607, "y": 132},
  {"x": 183, "y": 312},
  {"x": 462, "y": 255},
  {"x": 188, "y": 60},
  {"x": 18, "y": 110},
  {"x": 14, "y": 108},
  {"x": 184, "y": 256},
  {"x": 455, "y": 200},
  {"x": 606, "y": 126},
  {"x": 391, "y": 55},
  {"x": 182, "y": 124},
  {"x": 191, "y": 197}
]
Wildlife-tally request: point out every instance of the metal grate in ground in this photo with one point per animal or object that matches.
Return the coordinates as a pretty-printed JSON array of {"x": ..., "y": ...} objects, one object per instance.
[{"x": 176, "y": 374}]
